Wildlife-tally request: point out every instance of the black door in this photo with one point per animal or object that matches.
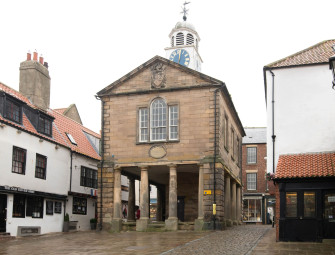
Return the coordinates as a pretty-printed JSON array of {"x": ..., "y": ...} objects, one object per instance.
[
  {"x": 180, "y": 208},
  {"x": 3, "y": 212},
  {"x": 329, "y": 215}
]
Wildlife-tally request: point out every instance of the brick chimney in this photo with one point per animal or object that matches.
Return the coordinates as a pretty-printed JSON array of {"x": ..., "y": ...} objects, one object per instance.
[{"x": 35, "y": 81}]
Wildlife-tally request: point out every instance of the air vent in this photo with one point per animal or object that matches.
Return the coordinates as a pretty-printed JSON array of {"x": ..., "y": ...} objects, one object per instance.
[
  {"x": 180, "y": 39},
  {"x": 189, "y": 39}
]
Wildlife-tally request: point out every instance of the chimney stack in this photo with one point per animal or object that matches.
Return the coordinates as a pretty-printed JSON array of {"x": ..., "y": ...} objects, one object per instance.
[
  {"x": 35, "y": 55},
  {"x": 35, "y": 81},
  {"x": 28, "y": 56}
]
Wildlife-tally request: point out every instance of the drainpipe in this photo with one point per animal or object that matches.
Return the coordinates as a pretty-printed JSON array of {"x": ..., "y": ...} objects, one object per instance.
[
  {"x": 102, "y": 156},
  {"x": 71, "y": 171},
  {"x": 215, "y": 151},
  {"x": 273, "y": 121}
]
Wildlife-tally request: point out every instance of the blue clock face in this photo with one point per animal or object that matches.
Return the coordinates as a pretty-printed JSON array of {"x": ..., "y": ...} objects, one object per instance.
[{"x": 180, "y": 56}]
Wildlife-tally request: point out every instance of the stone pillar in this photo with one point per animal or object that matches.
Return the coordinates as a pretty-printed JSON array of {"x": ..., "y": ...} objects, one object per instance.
[
  {"x": 233, "y": 203},
  {"x": 172, "y": 222},
  {"x": 131, "y": 199},
  {"x": 238, "y": 205},
  {"x": 200, "y": 221},
  {"x": 227, "y": 208},
  {"x": 159, "y": 205},
  {"x": 142, "y": 223},
  {"x": 117, "y": 206}
]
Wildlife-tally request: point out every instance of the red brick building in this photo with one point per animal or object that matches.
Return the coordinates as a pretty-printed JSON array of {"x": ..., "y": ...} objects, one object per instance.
[{"x": 258, "y": 189}]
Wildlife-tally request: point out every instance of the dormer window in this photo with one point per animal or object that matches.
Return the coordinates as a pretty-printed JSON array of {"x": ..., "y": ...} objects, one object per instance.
[
  {"x": 180, "y": 39},
  {"x": 13, "y": 111},
  {"x": 44, "y": 126},
  {"x": 189, "y": 39}
]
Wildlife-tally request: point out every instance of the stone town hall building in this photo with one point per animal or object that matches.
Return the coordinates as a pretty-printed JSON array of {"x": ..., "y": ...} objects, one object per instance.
[{"x": 169, "y": 125}]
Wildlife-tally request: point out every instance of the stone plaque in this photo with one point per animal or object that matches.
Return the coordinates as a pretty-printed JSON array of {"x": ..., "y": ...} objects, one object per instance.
[{"x": 157, "y": 151}]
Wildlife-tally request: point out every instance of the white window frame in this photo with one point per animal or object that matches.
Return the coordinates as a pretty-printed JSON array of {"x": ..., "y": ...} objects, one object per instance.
[
  {"x": 158, "y": 120},
  {"x": 143, "y": 120},
  {"x": 173, "y": 122},
  {"x": 251, "y": 156},
  {"x": 251, "y": 181}
]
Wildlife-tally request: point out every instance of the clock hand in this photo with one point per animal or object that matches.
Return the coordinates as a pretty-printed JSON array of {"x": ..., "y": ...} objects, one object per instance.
[{"x": 179, "y": 56}]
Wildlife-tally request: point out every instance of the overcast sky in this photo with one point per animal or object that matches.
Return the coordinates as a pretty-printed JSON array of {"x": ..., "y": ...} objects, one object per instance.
[{"x": 90, "y": 44}]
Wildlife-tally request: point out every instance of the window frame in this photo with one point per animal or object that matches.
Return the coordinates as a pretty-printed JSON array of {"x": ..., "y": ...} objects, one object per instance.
[
  {"x": 21, "y": 163},
  {"x": 19, "y": 209},
  {"x": 79, "y": 202},
  {"x": 249, "y": 162},
  {"x": 158, "y": 120},
  {"x": 49, "y": 207},
  {"x": 44, "y": 125},
  {"x": 58, "y": 207},
  {"x": 9, "y": 111},
  {"x": 254, "y": 182},
  {"x": 88, "y": 177},
  {"x": 41, "y": 171},
  {"x": 35, "y": 207},
  {"x": 145, "y": 122}
]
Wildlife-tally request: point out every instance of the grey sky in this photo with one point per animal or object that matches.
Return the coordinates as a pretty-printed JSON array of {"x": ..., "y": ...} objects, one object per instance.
[{"x": 90, "y": 44}]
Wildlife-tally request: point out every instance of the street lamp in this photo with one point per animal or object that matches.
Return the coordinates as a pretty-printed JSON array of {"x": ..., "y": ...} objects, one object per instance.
[{"x": 332, "y": 67}]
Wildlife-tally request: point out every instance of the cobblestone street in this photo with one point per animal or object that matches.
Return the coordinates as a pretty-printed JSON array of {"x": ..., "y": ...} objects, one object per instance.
[{"x": 245, "y": 239}]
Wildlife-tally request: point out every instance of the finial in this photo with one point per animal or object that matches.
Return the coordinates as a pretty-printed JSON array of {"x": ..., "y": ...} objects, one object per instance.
[{"x": 184, "y": 10}]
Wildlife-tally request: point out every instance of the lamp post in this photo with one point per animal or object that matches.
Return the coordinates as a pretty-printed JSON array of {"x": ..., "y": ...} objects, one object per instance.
[{"x": 332, "y": 67}]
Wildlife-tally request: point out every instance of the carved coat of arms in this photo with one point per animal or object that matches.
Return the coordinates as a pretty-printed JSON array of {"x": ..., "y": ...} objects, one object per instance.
[{"x": 158, "y": 76}]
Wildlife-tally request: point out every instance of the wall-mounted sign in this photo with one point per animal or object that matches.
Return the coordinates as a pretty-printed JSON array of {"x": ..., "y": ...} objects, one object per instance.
[
  {"x": 207, "y": 192},
  {"x": 9, "y": 188}
]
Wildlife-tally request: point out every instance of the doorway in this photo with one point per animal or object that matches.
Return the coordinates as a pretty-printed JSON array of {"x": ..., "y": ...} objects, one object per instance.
[
  {"x": 329, "y": 215},
  {"x": 181, "y": 208},
  {"x": 3, "y": 212}
]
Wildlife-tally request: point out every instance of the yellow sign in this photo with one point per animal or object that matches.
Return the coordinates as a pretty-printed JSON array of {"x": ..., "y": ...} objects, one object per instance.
[
  {"x": 207, "y": 192},
  {"x": 214, "y": 209}
]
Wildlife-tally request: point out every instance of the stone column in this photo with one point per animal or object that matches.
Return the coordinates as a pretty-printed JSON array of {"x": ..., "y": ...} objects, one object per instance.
[
  {"x": 159, "y": 205},
  {"x": 227, "y": 208},
  {"x": 172, "y": 222},
  {"x": 233, "y": 203},
  {"x": 200, "y": 221},
  {"x": 142, "y": 223},
  {"x": 117, "y": 206},
  {"x": 238, "y": 205},
  {"x": 131, "y": 199}
]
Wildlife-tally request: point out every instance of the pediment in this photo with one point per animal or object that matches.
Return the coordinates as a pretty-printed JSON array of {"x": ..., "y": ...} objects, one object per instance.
[{"x": 158, "y": 74}]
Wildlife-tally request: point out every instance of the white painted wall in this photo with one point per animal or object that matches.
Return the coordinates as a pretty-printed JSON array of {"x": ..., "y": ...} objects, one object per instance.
[
  {"x": 48, "y": 224},
  {"x": 58, "y": 163},
  {"x": 304, "y": 111}
]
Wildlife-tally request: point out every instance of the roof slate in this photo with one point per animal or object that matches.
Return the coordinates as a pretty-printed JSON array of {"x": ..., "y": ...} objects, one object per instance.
[
  {"x": 316, "y": 54},
  {"x": 61, "y": 125},
  {"x": 254, "y": 135},
  {"x": 306, "y": 165}
]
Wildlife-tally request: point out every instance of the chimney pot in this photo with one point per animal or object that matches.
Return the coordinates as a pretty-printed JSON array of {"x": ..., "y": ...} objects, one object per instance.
[
  {"x": 28, "y": 55},
  {"x": 46, "y": 65},
  {"x": 41, "y": 60},
  {"x": 35, "y": 56}
]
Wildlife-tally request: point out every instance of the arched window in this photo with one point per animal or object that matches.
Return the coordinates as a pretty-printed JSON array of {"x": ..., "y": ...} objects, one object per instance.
[
  {"x": 180, "y": 39},
  {"x": 189, "y": 39},
  {"x": 163, "y": 119},
  {"x": 158, "y": 120},
  {"x": 172, "y": 41}
]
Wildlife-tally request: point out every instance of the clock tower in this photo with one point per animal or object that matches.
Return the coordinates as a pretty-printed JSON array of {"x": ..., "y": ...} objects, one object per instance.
[{"x": 184, "y": 44}]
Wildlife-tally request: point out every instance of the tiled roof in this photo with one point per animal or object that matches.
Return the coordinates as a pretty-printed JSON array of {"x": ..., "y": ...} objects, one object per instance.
[
  {"x": 316, "y": 54},
  {"x": 61, "y": 110},
  {"x": 61, "y": 126},
  {"x": 306, "y": 165},
  {"x": 254, "y": 135}
]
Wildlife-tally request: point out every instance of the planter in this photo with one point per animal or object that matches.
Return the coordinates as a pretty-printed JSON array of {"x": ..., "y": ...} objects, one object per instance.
[
  {"x": 93, "y": 225},
  {"x": 66, "y": 226}
]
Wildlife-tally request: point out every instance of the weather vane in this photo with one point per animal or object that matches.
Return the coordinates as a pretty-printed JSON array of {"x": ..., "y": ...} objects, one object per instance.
[{"x": 184, "y": 10}]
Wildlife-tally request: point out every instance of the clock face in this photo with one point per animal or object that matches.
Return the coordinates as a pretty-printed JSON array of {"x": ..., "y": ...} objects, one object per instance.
[{"x": 180, "y": 56}]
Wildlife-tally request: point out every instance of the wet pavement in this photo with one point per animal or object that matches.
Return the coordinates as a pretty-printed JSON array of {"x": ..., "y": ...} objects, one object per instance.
[{"x": 245, "y": 239}]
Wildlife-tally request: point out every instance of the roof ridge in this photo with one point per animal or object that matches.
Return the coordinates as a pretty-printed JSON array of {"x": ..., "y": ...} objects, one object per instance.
[{"x": 298, "y": 53}]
